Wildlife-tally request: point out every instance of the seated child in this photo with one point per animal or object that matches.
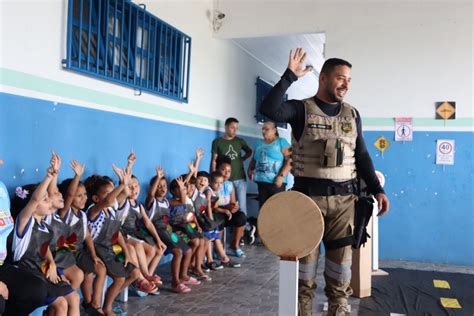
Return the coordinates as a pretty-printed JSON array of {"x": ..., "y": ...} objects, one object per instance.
[
  {"x": 158, "y": 212},
  {"x": 227, "y": 210},
  {"x": 104, "y": 221},
  {"x": 31, "y": 240},
  {"x": 86, "y": 258}
]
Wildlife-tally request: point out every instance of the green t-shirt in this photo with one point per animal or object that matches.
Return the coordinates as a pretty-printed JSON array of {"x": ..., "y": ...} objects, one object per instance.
[{"x": 232, "y": 149}]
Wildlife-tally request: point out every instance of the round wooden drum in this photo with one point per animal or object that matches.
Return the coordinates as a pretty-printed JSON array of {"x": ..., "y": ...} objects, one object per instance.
[{"x": 290, "y": 224}]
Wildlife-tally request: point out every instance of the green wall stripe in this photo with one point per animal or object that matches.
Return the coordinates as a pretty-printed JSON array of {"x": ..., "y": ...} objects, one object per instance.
[
  {"x": 39, "y": 84},
  {"x": 424, "y": 122},
  {"x": 27, "y": 81}
]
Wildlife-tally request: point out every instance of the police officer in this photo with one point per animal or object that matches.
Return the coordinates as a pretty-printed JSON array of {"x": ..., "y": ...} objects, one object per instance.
[{"x": 329, "y": 153}]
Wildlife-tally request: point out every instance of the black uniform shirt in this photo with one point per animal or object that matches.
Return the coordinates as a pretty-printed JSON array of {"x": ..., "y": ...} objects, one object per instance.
[{"x": 276, "y": 108}]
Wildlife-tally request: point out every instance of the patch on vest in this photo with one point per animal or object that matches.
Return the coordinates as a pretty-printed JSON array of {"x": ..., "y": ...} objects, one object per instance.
[
  {"x": 312, "y": 115},
  {"x": 320, "y": 126},
  {"x": 346, "y": 127}
]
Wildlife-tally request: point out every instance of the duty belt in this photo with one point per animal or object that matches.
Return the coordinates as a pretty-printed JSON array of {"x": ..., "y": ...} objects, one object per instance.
[{"x": 343, "y": 188}]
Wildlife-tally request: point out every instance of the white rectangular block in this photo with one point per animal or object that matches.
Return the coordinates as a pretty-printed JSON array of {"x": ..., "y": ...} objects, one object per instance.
[{"x": 288, "y": 291}]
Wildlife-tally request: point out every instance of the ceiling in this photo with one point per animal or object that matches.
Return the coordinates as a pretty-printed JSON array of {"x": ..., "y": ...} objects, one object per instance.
[{"x": 274, "y": 51}]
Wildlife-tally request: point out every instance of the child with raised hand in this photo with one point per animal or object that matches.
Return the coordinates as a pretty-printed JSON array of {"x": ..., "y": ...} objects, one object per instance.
[
  {"x": 201, "y": 198},
  {"x": 204, "y": 242},
  {"x": 15, "y": 297},
  {"x": 140, "y": 232},
  {"x": 182, "y": 217},
  {"x": 32, "y": 238},
  {"x": 202, "y": 212},
  {"x": 86, "y": 258},
  {"x": 104, "y": 224},
  {"x": 121, "y": 209},
  {"x": 158, "y": 212},
  {"x": 63, "y": 242}
]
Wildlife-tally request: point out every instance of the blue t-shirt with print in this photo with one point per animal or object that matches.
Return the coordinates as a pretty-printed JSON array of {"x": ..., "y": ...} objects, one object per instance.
[
  {"x": 225, "y": 192},
  {"x": 6, "y": 221},
  {"x": 269, "y": 160}
]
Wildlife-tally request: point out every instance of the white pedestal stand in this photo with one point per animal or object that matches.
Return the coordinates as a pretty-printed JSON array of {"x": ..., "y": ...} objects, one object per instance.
[{"x": 288, "y": 290}]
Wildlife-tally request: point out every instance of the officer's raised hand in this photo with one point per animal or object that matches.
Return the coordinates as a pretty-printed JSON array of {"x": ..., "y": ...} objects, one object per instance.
[
  {"x": 296, "y": 63},
  {"x": 383, "y": 203}
]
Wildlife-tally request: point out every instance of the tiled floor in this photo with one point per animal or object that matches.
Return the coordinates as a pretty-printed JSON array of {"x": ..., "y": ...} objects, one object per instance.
[{"x": 249, "y": 290}]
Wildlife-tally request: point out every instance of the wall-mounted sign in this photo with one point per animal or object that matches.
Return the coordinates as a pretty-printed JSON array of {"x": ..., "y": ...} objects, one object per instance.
[
  {"x": 403, "y": 129},
  {"x": 446, "y": 110},
  {"x": 381, "y": 177},
  {"x": 382, "y": 144},
  {"x": 445, "y": 152}
]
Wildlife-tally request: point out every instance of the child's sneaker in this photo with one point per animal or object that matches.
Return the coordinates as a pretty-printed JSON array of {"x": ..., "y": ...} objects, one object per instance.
[
  {"x": 206, "y": 267},
  {"x": 247, "y": 226},
  {"x": 238, "y": 253},
  {"x": 204, "y": 277},
  {"x": 252, "y": 231},
  {"x": 230, "y": 264},
  {"x": 118, "y": 310},
  {"x": 214, "y": 266}
]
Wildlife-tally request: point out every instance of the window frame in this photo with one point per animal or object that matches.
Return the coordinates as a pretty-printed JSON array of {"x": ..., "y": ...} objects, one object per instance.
[{"x": 138, "y": 50}]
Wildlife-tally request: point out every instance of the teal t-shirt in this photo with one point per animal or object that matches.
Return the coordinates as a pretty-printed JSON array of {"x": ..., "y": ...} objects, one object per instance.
[
  {"x": 269, "y": 160},
  {"x": 233, "y": 150},
  {"x": 6, "y": 221}
]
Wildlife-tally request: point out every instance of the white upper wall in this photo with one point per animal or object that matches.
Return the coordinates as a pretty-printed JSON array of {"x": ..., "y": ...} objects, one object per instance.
[
  {"x": 222, "y": 82},
  {"x": 406, "y": 55}
]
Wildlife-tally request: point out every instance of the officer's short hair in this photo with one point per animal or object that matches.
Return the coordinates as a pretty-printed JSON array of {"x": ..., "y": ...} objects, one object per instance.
[{"x": 332, "y": 63}]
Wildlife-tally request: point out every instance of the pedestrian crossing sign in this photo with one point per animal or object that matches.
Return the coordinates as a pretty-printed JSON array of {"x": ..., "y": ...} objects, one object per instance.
[{"x": 403, "y": 129}]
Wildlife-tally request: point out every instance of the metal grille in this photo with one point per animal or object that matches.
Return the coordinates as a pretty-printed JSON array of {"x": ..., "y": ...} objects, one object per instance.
[{"x": 119, "y": 41}]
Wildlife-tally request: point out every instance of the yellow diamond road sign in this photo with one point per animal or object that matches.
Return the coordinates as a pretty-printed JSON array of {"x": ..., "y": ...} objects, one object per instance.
[
  {"x": 445, "y": 110},
  {"x": 382, "y": 143}
]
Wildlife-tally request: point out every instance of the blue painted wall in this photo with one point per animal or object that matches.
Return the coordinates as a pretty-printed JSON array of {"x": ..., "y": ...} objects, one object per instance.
[
  {"x": 432, "y": 210},
  {"x": 31, "y": 128},
  {"x": 431, "y": 217}
]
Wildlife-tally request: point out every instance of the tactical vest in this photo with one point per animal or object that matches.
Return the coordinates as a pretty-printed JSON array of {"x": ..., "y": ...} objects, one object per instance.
[{"x": 326, "y": 149}]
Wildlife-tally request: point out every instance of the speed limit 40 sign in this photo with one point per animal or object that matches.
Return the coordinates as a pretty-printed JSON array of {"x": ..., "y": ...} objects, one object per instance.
[{"x": 445, "y": 152}]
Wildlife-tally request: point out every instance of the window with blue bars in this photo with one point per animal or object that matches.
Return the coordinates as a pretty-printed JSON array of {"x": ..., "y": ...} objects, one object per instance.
[
  {"x": 119, "y": 41},
  {"x": 263, "y": 88}
]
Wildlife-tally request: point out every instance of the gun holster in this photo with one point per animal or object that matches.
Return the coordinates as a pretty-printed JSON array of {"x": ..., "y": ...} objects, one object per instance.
[{"x": 363, "y": 211}]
